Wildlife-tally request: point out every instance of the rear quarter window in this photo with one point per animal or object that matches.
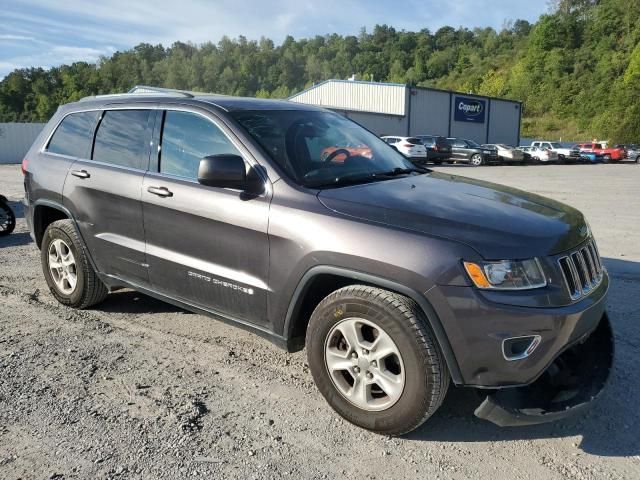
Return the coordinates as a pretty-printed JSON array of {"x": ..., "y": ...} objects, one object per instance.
[
  {"x": 74, "y": 135},
  {"x": 122, "y": 138}
]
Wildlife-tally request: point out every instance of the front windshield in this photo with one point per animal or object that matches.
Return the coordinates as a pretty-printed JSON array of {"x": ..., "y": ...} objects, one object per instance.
[
  {"x": 472, "y": 143},
  {"x": 319, "y": 149}
]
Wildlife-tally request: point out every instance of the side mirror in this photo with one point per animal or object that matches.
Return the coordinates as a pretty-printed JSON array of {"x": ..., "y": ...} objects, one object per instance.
[{"x": 223, "y": 171}]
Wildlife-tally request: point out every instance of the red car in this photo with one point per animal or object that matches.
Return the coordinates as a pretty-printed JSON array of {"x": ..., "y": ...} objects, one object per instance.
[{"x": 616, "y": 154}]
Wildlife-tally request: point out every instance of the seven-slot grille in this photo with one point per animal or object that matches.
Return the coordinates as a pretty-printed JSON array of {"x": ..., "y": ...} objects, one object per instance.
[{"x": 582, "y": 270}]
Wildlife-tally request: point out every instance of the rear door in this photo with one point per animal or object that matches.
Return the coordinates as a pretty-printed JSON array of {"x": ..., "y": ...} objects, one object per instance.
[
  {"x": 206, "y": 246},
  {"x": 103, "y": 192}
]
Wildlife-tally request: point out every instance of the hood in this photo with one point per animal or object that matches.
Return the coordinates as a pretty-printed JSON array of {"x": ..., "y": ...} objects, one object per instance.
[{"x": 499, "y": 222}]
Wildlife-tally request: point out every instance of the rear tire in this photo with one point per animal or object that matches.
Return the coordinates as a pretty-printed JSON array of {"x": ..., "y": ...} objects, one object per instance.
[
  {"x": 638, "y": 159},
  {"x": 66, "y": 267},
  {"x": 400, "y": 390}
]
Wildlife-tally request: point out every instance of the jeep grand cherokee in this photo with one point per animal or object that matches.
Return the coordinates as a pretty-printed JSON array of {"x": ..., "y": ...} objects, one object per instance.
[{"x": 396, "y": 279}]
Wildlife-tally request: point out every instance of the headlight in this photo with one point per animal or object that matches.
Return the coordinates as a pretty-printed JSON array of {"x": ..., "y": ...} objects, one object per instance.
[
  {"x": 487, "y": 152},
  {"x": 507, "y": 274}
]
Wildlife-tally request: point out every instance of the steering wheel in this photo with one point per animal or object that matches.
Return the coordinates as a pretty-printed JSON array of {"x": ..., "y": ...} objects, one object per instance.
[{"x": 335, "y": 153}]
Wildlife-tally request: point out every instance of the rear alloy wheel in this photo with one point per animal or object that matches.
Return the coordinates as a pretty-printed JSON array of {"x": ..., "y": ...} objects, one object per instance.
[
  {"x": 476, "y": 160},
  {"x": 375, "y": 360},
  {"x": 67, "y": 270}
]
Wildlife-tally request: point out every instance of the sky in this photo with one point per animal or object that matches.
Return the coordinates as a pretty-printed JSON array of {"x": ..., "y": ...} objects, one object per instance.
[{"x": 44, "y": 33}]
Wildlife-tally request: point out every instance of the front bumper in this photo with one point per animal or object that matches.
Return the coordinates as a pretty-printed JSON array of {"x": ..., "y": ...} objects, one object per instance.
[
  {"x": 476, "y": 328},
  {"x": 572, "y": 382}
]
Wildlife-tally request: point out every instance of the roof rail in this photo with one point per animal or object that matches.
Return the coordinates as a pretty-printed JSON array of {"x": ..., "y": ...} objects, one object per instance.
[{"x": 144, "y": 89}]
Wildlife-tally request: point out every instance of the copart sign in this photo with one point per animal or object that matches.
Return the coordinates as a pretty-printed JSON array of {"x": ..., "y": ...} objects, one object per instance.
[{"x": 469, "y": 109}]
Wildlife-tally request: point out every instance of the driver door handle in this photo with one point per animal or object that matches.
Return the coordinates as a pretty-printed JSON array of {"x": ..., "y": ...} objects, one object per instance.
[
  {"x": 80, "y": 173},
  {"x": 160, "y": 191}
]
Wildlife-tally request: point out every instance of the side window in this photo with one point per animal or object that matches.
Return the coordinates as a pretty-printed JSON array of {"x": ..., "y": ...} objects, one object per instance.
[
  {"x": 74, "y": 135},
  {"x": 122, "y": 138},
  {"x": 460, "y": 144},
  {"x": 186, "y": 139}
]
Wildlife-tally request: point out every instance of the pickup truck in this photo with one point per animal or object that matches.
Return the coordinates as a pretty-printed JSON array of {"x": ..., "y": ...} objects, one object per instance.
[
  {"x": 564, "y": 154},
  {"x": 608, "y": 154}
]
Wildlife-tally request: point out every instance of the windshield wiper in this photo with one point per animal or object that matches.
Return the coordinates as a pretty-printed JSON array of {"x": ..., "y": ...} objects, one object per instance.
[
  {"x": 357, "y": 177},
  {"x": 404, "y": 171}
]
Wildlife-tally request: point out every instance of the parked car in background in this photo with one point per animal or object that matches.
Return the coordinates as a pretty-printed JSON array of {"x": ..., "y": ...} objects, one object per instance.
[
  {"x": 507, "y": 153},
  {"x": 540, "y": 155},
  {"x": 410, "y": 147},
  {"x": 7, "y": 217},
  {"x": 465, "y": 150},
  {"x": 438, "y": 148},
  {"x": 564, "y": 153},
  {"x": 608, "y": 154},
  {"x": 633, "y": 152}
]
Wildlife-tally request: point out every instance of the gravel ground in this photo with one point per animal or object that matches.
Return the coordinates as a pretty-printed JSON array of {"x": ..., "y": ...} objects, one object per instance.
[{"x": 136, "y": 388}]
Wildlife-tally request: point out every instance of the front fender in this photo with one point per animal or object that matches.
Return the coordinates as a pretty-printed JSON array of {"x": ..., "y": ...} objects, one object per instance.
[{"x": 369, "y": 279}]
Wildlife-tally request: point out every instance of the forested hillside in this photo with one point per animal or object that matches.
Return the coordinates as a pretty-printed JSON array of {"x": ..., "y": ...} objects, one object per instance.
[{"x": 577, "y": 69}]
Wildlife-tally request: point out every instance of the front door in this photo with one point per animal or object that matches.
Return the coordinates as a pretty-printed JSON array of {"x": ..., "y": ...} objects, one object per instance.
[
  {"x": 205, "y": 246},
  {"x": 459, "y": 149},
  {"x": 103, "y": 192}
]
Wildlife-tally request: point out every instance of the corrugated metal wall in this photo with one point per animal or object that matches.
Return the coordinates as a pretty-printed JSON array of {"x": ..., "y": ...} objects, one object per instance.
[
  {"x": 16, "y": 139},
  {"x": 429, "y": 112},
  {"x": 504, "y": 126},
  {"x": 378, "y": 123},
  {"x": 356, "y": 96}
]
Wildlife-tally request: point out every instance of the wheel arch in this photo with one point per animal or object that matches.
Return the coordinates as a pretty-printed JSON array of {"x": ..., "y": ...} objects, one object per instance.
[
  {"x": 320, "y": 281},
  {"x": 45, "y": 212}
]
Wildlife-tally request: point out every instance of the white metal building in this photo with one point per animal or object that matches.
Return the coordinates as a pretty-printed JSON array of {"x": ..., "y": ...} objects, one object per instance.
[
  {"x": 398, "y": 109},
  {"x": 16, "y": 139}
]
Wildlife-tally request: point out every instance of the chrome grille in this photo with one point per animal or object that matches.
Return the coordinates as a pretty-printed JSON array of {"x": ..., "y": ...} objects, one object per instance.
[{"x": 582, "y": 270}]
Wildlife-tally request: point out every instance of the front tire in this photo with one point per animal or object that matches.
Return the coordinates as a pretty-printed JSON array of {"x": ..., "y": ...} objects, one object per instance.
[
  {"x": 476, "y": 160},
  {"x": 66, "y": 267},
  {"x": 375, "y": 360}
]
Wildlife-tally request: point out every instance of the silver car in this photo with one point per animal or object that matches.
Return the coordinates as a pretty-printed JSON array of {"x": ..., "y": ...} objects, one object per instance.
[{"x": 507, "y": 153}]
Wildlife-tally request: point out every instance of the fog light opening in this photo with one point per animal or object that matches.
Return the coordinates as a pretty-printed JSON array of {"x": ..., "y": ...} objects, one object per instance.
[{"x": 518, "y": 348}]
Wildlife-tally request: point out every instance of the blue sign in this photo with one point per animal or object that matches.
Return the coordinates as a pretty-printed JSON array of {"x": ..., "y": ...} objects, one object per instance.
[{"x": 469, "y": 110}]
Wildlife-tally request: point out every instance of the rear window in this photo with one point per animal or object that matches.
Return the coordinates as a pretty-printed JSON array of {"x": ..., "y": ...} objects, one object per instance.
[
  {"x": 74, "y": 135},
  {"x": 414, "y": 141},
  {"x": 122, "y": 138}
]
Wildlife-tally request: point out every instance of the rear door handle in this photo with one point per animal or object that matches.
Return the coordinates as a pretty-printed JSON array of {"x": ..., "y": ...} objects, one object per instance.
[
  {"x": 160, "y": 191},
  {"x": 80, "y": 173}
]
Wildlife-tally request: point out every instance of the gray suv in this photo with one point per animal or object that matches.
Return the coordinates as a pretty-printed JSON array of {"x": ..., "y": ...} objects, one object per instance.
[{"x": 261, "y": 213}]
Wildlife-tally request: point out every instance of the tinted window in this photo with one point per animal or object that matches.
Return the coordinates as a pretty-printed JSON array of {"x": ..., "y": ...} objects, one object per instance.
[
  {"x": 186, "y": 139},
  {"x": 414, "y": 141},
  {"x": 74, "y": 135},
  {"x": 122, "y": 138}
]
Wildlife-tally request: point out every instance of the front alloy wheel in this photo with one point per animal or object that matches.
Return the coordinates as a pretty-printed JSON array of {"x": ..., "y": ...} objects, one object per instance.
[
  {"x": 476, "y": 160},
  {"x": 365, "y": 364}
]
